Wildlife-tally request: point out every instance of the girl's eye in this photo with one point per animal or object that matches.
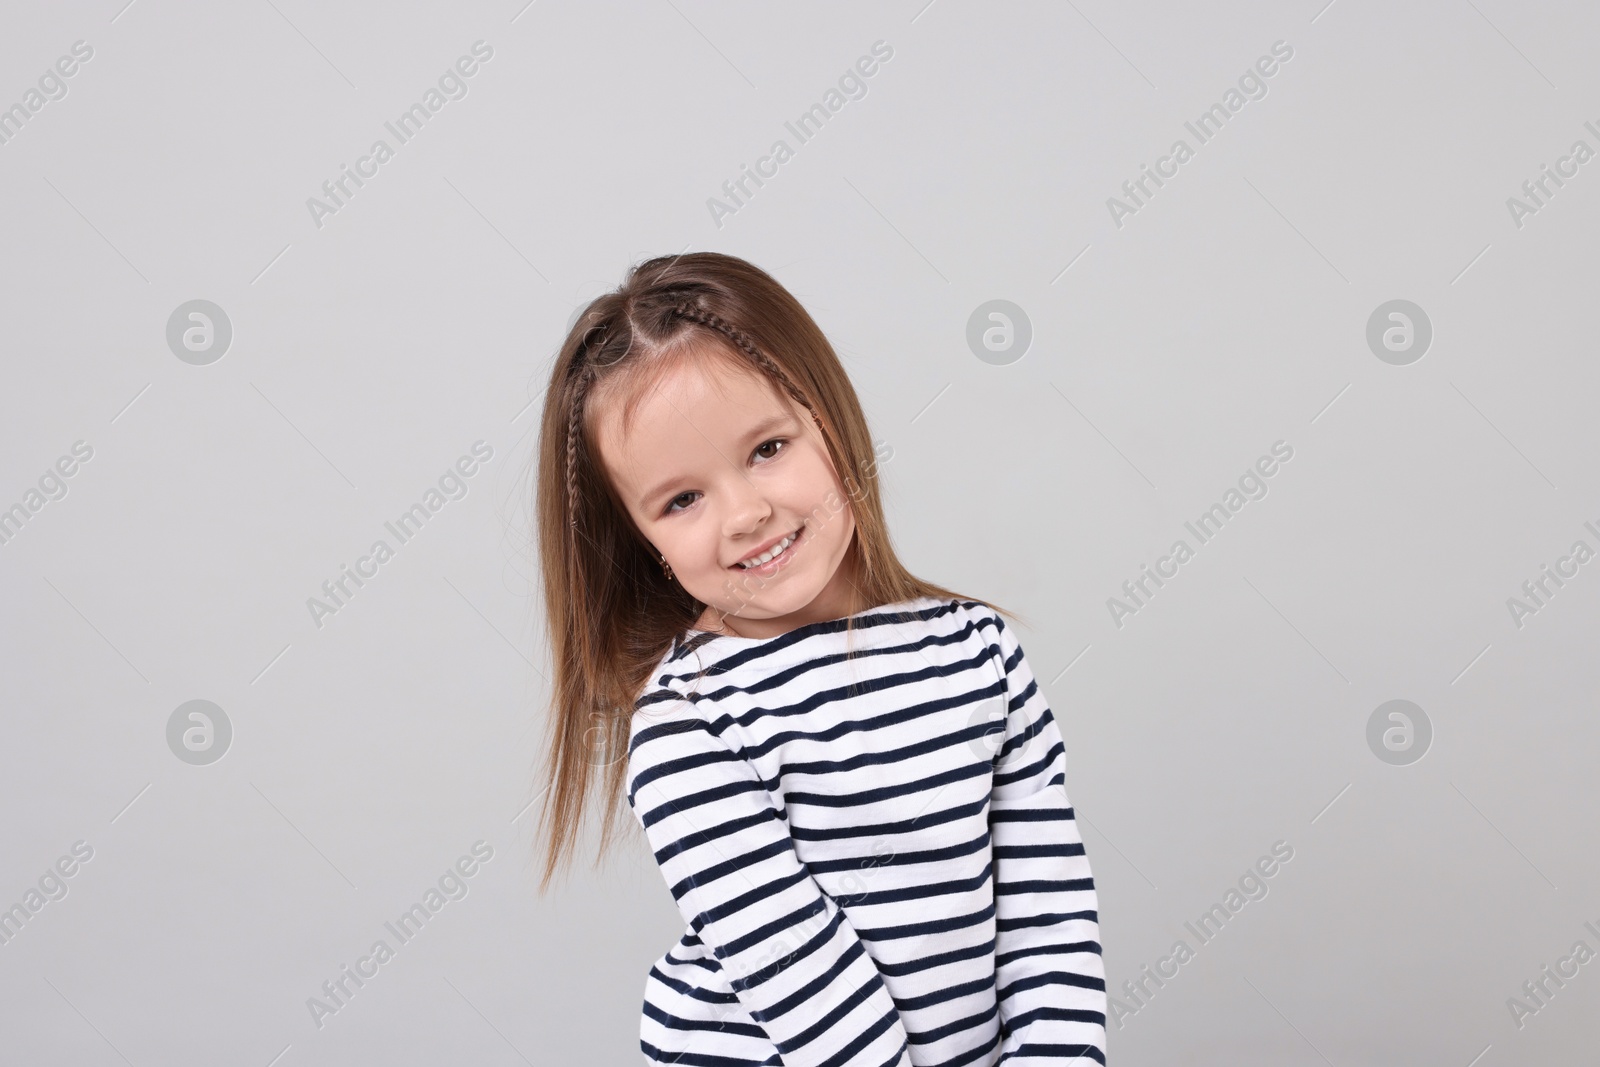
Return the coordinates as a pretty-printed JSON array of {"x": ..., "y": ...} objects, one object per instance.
[
  {"x": 670, "y": 504},
  {"x": 775, "y": 441}
]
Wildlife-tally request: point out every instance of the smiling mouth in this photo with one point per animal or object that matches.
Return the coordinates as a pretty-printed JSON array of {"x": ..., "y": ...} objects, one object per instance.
[{"x": 777, "y": 553}]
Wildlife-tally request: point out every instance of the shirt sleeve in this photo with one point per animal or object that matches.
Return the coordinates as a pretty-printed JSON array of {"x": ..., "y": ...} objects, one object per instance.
[
  {"x": 791, "y": 956},
  {"x": 1049, "y": 974}
]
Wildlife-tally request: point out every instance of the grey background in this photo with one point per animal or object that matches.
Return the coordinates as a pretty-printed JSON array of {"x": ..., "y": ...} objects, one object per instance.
[{"x": 368, "y": 354}]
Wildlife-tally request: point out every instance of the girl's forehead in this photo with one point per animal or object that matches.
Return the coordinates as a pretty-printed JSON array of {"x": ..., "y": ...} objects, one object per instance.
[
  {"x": 708, "y": 375},
  {"x": 689, "y": 402},
  {"x": 717, "y": 383}
]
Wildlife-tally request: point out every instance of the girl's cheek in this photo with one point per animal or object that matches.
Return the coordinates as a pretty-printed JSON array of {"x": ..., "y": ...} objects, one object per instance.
[{"x": 706, "y": 551}]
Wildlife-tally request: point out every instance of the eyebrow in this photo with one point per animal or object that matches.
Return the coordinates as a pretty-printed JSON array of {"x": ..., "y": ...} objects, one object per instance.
[{"x": 757, "y": 432}]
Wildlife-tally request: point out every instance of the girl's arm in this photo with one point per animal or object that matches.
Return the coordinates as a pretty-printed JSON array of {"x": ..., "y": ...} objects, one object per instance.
[
  {"x": 1049, "y": 974},
  {"x": 790, "y": 954}
]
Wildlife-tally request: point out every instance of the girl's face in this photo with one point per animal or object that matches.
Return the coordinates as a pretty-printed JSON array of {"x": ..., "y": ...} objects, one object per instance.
[{"x": 718, "y": 468}]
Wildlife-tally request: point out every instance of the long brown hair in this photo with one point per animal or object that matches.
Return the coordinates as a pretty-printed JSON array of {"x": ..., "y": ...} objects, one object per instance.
[{"x": 611, "y": 611}]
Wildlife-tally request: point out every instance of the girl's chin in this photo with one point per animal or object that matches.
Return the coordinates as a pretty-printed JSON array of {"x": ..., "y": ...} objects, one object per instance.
[{"x": 771, "y": 603}]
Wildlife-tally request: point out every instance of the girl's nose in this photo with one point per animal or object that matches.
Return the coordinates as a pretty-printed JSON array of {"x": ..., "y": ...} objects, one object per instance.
[{"x": 748, "y": 508}]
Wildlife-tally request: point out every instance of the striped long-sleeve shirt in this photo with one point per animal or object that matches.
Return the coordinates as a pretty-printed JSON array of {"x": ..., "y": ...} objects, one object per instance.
[{"x": 876, "y": 856}]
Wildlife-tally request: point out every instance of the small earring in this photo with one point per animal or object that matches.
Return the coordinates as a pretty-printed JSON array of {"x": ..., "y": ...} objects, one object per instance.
[{"x": 666, "y": 568}]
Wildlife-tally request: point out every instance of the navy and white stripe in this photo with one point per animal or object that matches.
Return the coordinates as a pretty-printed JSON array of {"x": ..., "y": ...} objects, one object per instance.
[{"x": 876, "y": 856}]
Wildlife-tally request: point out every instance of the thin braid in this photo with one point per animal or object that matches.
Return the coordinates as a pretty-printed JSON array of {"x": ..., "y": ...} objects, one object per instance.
[
  {"x": 580, "y": 390},
  {"x": 583, "y": 374},
  {"x": 746, "y": 345}
]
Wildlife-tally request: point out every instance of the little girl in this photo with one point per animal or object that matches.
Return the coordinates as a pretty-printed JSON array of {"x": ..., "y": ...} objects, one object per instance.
[{"x": 850, "y": 779}]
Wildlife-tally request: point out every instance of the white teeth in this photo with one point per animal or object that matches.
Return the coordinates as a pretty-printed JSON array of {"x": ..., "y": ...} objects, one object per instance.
[{"x": 766, "y": 557}]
